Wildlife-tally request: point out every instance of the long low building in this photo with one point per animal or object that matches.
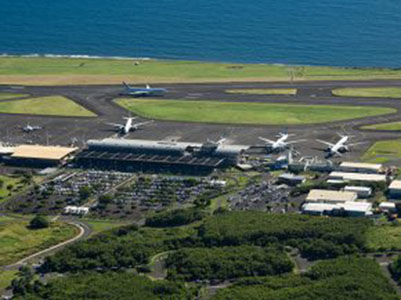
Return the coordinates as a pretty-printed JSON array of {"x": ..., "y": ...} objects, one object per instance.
[
  {"x": 39, "y": 156},
  {"x": 395, "y": 189},
  {"x": 328, "y": 196},
  {"x": 361, "y": 167},
  {"x": 361, "y": 177},
  {"x": 162, "y": 156},
  {"x": 350, "y": 209}
]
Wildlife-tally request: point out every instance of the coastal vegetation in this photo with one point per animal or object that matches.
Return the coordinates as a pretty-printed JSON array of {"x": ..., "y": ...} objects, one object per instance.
[
  {"x": 50, "y": 105},
  {"x": 263, "y": 91},
  {"x": 245, "y": 112},
  {"x": 376, "y": 92},
  {"x": 18, "y": 240},
  {"x": 63, "y": 71}
]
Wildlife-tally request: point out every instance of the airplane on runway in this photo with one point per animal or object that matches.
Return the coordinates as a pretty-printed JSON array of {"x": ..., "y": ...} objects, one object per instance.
[
  {"x": 128, "y": 126},
  {"x": 29, "y": 128},
  {"x": 338, "y": 148},
  {"x": 281, "y": 143},
  {"x": 142, "y": 92}
]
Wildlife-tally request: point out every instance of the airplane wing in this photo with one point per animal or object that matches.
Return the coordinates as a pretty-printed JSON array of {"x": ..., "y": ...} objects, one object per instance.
[
  {"x": 326, "y": 143},
  {"x": 266, "y": 140},
  {"x": 139, "y": 93},
  {"x": 115, "y": 125}
]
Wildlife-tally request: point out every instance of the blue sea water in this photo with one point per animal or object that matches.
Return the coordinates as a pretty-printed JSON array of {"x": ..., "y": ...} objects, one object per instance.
[{"x": 315, "y": 32}]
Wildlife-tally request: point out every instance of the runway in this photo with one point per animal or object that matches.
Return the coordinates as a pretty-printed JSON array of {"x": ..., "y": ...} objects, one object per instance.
[{"x": 63, "y": 130}]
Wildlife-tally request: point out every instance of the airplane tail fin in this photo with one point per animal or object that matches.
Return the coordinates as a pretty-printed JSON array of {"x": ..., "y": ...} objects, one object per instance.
[
  {"x": 126, "y": 85},
  {"x": 148, "y": 86}
]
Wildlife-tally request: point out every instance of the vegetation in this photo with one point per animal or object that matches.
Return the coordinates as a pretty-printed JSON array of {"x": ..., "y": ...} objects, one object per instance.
[
  {"x": 315, "y": 237},
  {"x": 378, "y": 92},
  {"x": 17, "y": 240},
  {"x": 227, "y": 263},
  {"x": 9, "y": 185},
  {"x": 393, "y": 126},
  {"x": 347, "y": 278},
  {"x": 383, "y": 151},
  {"x": 105, "y": 286},
  {"x": 384, "y": 237},
  {"x": 51, "y": 105},
  {"x": 6, "y": 96},
  {"x": 98, "y": 226},
  {"x": 245, "y": 112},
  {"x": 263, "y": 91},
  {"x": 177, "y": 217},
  {"x": 39, "y": 222},
  {"x": 62, "y": 71},
  {"x": 6, "y": 276},
  {"x": 395, "y": 269}
]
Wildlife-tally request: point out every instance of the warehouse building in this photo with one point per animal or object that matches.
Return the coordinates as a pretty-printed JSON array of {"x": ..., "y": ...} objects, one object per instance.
[
  {"x": 291, "y": 179},
  {"x": 328, "y": 196},
  {"x": 359, "y": 177},
  {"x": 39, "y": 156},
  {"x": 362, "y": 191},
  {"x": 346, "y": 209},
  {"x": 356, "y": 167},
  {"x": 395, "y": 189},
  {"x": 160, "y": 156}
]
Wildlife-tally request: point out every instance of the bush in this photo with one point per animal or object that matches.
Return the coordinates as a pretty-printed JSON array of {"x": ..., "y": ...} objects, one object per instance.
[
  {"x": 39, "y": 222},
  {"x": 177, "y": 217}
]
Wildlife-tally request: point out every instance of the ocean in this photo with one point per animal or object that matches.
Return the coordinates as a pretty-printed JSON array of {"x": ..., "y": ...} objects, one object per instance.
[{"x": 357, "y": 33}]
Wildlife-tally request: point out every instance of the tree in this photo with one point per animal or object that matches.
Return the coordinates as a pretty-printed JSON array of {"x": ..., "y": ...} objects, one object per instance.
[
  {"x": 39, "y": 222},
  {"x": 84, "y": 193}
]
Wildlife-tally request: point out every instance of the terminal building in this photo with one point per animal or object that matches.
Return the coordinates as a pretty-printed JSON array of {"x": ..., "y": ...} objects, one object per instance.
[
  {"x": 356, "y": 167},
  {"x": 160, "y": 156}
]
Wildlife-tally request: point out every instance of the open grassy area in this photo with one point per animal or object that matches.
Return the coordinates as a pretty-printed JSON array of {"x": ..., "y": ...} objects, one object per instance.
[
  {"x": 62, "y": 71},
  {"x": 6, "y": 277},
  {"x": 383, "y": 151},
  {"x": 385, "y": 237},
  {"x": 378, "y": 92},
  {"x": 393, "y": 126},
  {"x": 263, "y": 91},
  {"x": 17, "y": 241},
  {"x": 51, "y": 105},
  {"x": 246, "y": 113},
  {"x": 5, "y": 185},
  {"x": 6, "y": 96},
  {"x": 98, "y": 226}
]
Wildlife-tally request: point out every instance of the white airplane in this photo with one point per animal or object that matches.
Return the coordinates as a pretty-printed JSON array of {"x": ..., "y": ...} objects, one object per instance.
[
  {"x": 128, "y": 126},
  {"x": 30, "y": 128},
  {"x": 281, "y": 143},
  {"x": 142, "y": 92},
  {"x": 340, "y": 147}
]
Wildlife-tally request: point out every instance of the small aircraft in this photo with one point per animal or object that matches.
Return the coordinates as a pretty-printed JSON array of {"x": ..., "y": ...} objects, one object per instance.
[
  {"x": 281, "y": 143},
  {"x": 338, "y": 148},
  {"x": 128, "y": 126},
  {"x": 29, "y": 128},
  {"x": 142, "y": 92}
]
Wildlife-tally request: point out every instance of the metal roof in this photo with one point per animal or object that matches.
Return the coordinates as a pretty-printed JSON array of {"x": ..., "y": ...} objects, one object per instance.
[
  {"x": 358, "y": 165},
  {"x": 396, "y": 184},
  {"x": 42, "y": 152},
  {"x": 357, "y": 176},
  {"x": 330, "y": 196}
]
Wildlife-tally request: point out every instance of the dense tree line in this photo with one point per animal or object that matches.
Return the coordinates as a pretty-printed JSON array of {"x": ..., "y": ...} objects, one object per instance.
[
  {"x": 316, "y": 237},
  {"x": 177, "y": 217},
  {"x": 106, "y": 286},
  {"x": 227, "y": 263},
  {"x": 347, "y": 278},
  {"x": 395, "y": 269}
]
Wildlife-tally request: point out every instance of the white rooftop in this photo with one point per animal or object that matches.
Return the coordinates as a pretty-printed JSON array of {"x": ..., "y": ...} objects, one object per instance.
[
  {"x": 330, "y": 196},
  {"x": 357, "y": 165},
  {"x": 358, "y": 176},
  {"x": 396, "y": 184}
]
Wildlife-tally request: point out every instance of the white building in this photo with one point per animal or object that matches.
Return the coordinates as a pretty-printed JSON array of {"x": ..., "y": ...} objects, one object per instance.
[
  {"x": 361, "y": 167},
  {"x": 333, "y": 197},
  {"x": 395, "y": 189},
  {"x": 362, "y": 191},
  {"x": 350, "y": 209},
  {"x": 76, "y": 210},
  {"x": 361, "y": 177},
  {"x": 388, "y": 207}
]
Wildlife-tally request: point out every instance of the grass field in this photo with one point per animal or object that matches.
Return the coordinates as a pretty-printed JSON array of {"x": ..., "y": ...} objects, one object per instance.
[
  {"x": 51, "y": 106},
  {"x": 6, "y": 96},
  {"x": 393, "y": 126},
  {"x": 246, "y": 113},
  {"x": 379, "y": 92},
  {"x": 7, "y": 181},
  {"x": 62, "y": 71},
  {"x": 98, "y": 226},
  {"x": 17, "y": 241},
  {"x": 383, "y": 151},
  {"x": 263, "y": 91},
  {"x": 6, "y": 277},
  {"x": 385, "y": 237}
]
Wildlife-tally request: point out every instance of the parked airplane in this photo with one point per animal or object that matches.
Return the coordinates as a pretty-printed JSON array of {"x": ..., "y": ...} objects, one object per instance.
[
  {"x": 29, "y": 128},
  {"x": 281, "y": 143},
  {"x": 128, "y": 126},
  {"x": 143, "y": 92},
  {"x": 338, "y": 148}
]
